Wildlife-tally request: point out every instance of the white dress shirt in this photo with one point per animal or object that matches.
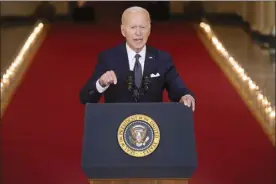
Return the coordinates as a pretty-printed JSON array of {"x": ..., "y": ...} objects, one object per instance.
[{"x": 131, "y": 60}]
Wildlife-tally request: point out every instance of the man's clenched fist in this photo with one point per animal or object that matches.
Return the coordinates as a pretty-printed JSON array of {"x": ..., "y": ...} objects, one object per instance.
[{"x": 108, "y": 78}]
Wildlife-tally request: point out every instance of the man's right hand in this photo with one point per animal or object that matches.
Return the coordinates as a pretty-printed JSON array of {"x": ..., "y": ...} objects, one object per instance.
[{"x": 108, "y": 78}]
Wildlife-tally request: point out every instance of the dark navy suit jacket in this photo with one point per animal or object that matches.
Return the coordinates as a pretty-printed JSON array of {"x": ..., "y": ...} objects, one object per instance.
[{"x": 116, "y": 59}]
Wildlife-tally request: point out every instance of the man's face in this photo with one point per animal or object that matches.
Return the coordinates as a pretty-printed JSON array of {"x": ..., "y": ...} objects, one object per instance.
[{"x": 136, "y": 29}]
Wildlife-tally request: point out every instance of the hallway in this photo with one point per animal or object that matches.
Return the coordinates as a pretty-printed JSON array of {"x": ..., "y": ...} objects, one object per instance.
[{"x": 230, "y": 140}]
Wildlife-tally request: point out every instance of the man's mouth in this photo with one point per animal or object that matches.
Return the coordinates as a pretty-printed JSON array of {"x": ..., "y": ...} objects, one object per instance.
[{"x": 138, "y": 40}]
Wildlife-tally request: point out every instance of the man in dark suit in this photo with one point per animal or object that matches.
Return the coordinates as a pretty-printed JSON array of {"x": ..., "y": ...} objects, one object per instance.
[{"x": 134, "y": 71}]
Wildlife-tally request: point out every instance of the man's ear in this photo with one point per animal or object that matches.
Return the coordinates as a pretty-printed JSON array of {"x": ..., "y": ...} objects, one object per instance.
[
  {"x": 149, "y": 29},
  {"x": 123, "y": 30}
]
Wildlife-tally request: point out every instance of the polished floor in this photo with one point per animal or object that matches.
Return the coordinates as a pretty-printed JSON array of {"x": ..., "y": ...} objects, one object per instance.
[
  {"x": 12, "y": 40},
  {"x": 256, "y": 62}
]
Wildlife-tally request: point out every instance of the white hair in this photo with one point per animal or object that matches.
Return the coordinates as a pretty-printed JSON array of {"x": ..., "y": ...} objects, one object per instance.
[{"x": 134, "y": 9}]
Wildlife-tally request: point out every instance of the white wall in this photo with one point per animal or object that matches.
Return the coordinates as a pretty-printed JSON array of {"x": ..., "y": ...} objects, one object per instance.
[
  {"x": 222, "y": 6},
  {"x": 13, "y": 8},
  {"x": 26, "y": 8},
  {"x": 176, "y": 7},
  {"x": 259, "y": 14},
  {"x": 61, "y": 7},
  {"x": 210, "y": 6}
]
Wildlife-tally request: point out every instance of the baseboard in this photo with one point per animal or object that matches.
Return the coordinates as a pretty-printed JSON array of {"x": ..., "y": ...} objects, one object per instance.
[
  {"x": 186, "y": 17},
  {"x": 265, "y": 41},
  {"x": 227, "y": 19},
  {"x": 7, "y": 21}
]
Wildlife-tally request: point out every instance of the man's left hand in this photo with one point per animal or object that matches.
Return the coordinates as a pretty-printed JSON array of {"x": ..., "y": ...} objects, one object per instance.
[{"x": 188, "y": 100}]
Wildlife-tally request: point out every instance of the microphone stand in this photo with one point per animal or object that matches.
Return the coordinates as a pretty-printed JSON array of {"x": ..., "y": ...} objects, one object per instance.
[
  {"x": 132, "y": 88},
  {"x": 137, "y": 92},
  {"x": 146, "y": 84}
]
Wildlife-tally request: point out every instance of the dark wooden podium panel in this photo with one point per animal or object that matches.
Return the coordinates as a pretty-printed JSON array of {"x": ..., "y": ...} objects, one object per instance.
[
  {"x": 141, "y": 181},
  {"x": 105, "y": 159}
]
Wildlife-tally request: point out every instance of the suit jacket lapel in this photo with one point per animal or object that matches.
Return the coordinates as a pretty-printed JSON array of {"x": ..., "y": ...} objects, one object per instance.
[
  {"x": 124, "y": 56},
  {"x": 150, "y": 62}
]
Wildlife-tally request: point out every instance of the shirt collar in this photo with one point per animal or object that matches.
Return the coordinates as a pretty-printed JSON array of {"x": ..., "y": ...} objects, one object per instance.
[{"x": 131, "y": 53}]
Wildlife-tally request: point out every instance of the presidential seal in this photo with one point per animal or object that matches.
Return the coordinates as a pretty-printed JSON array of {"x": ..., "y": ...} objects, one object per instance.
[{"x": 138, "y": 135}]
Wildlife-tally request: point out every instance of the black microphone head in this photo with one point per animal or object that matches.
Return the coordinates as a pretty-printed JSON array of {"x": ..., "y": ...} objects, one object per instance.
[
  {"x": 130, "y": 80},
  {"x": 147, "y": 80},
  {"x": 146, "y": 83}
]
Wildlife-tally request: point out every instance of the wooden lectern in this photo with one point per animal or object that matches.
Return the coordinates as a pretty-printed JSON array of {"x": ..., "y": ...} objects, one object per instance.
[{"x": 138, "y": 143}]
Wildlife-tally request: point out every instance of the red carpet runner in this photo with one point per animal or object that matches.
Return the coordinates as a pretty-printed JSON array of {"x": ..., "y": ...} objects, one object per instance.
[{"x": 42, "y": 127}]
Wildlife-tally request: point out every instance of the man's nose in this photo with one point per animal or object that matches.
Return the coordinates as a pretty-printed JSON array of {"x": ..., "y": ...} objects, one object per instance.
[{"x": 138, "y": 31}]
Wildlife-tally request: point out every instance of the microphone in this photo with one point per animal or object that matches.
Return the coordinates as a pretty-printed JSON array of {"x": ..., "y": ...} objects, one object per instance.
[
  {"x": 130, "y": 81},
  {"x": 146, "y": 84},
  {"x": 136, "y": 92},
  {"x": 131, "y": 86}
]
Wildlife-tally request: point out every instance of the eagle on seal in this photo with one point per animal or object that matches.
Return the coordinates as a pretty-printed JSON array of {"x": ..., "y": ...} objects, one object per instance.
[{"x": 138, "y": 135}]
